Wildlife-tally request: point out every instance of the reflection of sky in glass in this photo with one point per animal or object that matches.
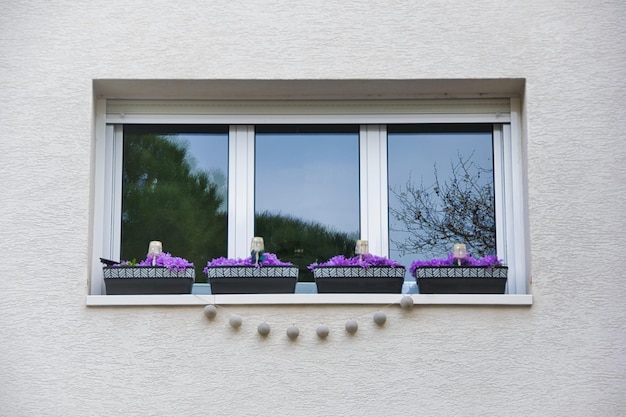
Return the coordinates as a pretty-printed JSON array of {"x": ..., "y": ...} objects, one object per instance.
[
  {"x": 313, "y": 177},
  {"x": 414, "y": 155},
  {"x": 209, "y": 153}
]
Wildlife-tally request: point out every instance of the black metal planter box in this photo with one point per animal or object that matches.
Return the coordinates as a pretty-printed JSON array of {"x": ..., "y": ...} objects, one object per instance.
[
  {"x": 461, "y": 279},
  {"x": 252, "y": 280},
  {"x": 147, "y": 280},
  {"x": 356, "y": 279}
]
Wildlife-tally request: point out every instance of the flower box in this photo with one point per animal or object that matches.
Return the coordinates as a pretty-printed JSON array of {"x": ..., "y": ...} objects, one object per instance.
[
  {"x": 461, "y": 279},
  {"x": 357, "y": 279},
  {"x": 252, "y": 279},
  {"x": 147, "y": 280}
]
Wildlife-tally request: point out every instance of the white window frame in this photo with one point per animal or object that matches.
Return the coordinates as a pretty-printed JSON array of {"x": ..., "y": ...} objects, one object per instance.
[{"x": 372, "y": 116}]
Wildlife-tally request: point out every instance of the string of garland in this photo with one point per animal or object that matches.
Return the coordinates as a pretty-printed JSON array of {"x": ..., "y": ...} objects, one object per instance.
[{"x": 351, "y": 326}]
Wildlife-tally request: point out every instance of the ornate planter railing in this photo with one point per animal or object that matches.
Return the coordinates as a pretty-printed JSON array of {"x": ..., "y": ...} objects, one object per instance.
[
  {"x": 356, "y": 279},
  {"x": 461, "y": 279},
  {"x": 147, "y": 280},
  {"x": 252, "y": 279}
]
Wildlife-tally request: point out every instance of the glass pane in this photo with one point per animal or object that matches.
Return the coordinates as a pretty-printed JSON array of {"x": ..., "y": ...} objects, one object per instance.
[
  {"x": 307, "y": 192},
  {"x": 441, "y": 190},
  {"x": 174, "y": 189}
]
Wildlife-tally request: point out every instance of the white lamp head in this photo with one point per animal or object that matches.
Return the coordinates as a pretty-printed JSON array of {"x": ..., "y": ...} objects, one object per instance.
[{"x": 257, "y": 244}]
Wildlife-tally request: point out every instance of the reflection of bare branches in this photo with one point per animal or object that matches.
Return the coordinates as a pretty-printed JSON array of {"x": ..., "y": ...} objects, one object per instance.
[{"x": 458, "y": 210}]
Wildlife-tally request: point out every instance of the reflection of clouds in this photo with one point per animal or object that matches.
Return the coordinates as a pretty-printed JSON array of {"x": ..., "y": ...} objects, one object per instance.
[
  {"x": 415, "y": 155},
  {"x": 306, "y": 177},
  {"x": 324, "y": 193},
  {"x": 313, "y": 177},
  {"x": 209, "y": 153}
]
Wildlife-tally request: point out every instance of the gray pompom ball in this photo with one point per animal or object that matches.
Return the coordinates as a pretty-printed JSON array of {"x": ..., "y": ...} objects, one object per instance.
[
  {"x": 235, "y": 321},
  {"x": 322, "y": 331},
  {"x": 380, "y": 318},
  {"x": 263, "y": 329},
  {"x": 406, "y": 302},
  {"x": 293, "y": 332},
  {"x": 352, "y": 326},
  {"x": 210, "y": 311}
]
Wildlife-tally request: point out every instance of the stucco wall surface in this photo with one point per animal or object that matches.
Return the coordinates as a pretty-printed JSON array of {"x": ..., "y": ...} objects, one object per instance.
[{"x": 563, "y": 356}]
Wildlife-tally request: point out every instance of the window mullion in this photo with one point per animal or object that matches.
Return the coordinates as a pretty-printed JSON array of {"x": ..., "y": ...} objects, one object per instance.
[
  {"x": 373, "y": 184},
  {"x": 116, "y": 191},
  {"x": 240, "y": 189},
  {"x": 499, "y": 188}
]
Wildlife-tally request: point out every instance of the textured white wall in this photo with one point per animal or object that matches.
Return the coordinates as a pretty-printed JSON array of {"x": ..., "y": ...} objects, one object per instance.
[{"x": 564, "y": 356}]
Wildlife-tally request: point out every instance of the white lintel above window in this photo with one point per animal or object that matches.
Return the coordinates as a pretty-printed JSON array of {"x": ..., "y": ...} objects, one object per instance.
[{"x": 311, "y": 112}]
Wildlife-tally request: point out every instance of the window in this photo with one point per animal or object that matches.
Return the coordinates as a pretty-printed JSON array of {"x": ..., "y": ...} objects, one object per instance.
[
  {"x": 441, "y": 190},
  {"x": 174, "y": 184},
  {"x": 280, "y": 169},
  {"x": 307, "y": 192}
]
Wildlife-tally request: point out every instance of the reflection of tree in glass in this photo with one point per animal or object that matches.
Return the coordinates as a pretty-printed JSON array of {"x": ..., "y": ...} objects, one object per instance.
[
  {"x": 164, "y": 199},
  {"x": 301, "y": 242},
  {"x": 459, "y": 209}
]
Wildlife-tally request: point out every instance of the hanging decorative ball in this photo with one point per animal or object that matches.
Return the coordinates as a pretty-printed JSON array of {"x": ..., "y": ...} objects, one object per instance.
[
  {"x": 235, "y": 321},
  {"x": 352, "y": 326},
  {"x": 380, "y": 318},
  {"x": 210, "y": 311},
  {"x": 293, "y": 332},
  {"x": 263, "y": 329},
  {"x": 322, "y": 331},
  {"x": 406, "y": 302}
]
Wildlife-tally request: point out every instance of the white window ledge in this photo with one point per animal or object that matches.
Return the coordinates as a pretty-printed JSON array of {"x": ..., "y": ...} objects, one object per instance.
[{"x": 303, "y": 299}]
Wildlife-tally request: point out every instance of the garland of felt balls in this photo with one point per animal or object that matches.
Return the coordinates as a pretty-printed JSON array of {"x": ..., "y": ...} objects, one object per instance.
[{"x": 322, "y": 331}]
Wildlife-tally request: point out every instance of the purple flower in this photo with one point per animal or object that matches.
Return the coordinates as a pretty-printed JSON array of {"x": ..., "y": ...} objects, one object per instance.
[
  {"x": 364, "y": 261},
  {"x": 268, "y": 259},
  {"x": 488, "y": 261},
  {"x": 162, "y": 260}
]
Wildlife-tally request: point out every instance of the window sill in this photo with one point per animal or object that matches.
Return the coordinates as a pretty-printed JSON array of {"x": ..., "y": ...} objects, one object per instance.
[{"x": 304, "y": 299}]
